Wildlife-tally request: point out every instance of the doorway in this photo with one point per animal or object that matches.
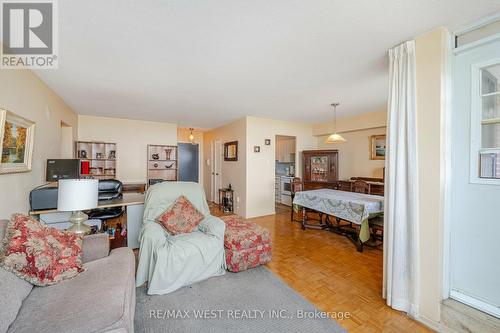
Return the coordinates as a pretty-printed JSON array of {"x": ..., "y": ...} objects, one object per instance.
[
  {"x": 215, "y": 170},
  {"x": 189, "y": 162}
]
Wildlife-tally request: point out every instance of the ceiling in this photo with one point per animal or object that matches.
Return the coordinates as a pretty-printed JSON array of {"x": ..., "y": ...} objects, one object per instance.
[{"x": 205, "y": 63}]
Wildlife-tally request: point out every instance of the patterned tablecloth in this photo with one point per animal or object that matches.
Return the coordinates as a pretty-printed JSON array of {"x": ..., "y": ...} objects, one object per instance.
[{"x": 349, "y": 206}]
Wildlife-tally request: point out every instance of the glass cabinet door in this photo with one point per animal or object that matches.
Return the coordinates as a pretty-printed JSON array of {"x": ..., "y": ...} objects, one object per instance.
[{"x": 319, "y": 168}]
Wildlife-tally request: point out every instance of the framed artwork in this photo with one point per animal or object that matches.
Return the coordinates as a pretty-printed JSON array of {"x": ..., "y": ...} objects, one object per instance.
[
  {"x": 377, "y": 147},
  {"x": 231, "y": 151},
  {"x": 16, "y": 135},
  {"x": 256, "y": 149},
  {"x": 267, "y": 142}
]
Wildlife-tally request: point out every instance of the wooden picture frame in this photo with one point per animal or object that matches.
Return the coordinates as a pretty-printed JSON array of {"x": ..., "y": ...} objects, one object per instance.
[
  {"x": 17, "y": 136},
  {"x": 231, "y": 151},
  {"x": 377, "y": 147}
]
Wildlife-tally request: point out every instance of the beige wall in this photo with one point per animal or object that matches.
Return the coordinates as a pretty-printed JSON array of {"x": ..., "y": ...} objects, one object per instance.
[
  {"x": 261, "y": 166},
  {"x": 131, "y": 137},
  {"x": 233, "y": 173},
  {"x": 23, "y": 93},
  {"x": 354, "y": 155},
  {"x": 183, "y": 136},
  {"x": 431, "y": 64},
  {"x": 363, "y": 121}
]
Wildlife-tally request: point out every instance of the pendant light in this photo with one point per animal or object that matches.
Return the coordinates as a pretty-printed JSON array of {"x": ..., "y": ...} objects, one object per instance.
[
  {"x": 335, "y": 138},
  {"x": 191, "y": 136}
]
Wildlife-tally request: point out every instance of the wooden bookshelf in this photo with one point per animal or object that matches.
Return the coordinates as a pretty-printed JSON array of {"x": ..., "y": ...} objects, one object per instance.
[
  {"x": 162, "y": 163},
  {"x": 100, "y": 158}
]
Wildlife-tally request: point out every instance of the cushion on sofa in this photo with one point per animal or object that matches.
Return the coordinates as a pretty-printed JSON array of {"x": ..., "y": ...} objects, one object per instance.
[
  {"x": 100, "y": 299},
  {"x": 181, "y": 217},
  {"x": 13, "y": 291},
  {"x": 40, "y": 254}
]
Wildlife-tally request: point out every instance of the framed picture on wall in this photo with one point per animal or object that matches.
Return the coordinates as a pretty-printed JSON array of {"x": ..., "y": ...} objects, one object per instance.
[
  {"x": 377, "y": 147},
  {"x": 16, "y": 135},
  {"x": 231, "y": 151}
]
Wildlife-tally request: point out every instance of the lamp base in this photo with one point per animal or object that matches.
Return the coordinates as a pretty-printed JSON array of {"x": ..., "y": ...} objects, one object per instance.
[{"x": 78, "y": 227}]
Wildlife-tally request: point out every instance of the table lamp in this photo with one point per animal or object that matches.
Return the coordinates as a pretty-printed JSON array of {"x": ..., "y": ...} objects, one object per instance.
[{"x": 75, "y": 195}]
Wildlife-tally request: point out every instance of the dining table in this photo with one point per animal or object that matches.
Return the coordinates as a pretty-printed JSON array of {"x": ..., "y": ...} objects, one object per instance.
[{"x": 353, "y": 207}]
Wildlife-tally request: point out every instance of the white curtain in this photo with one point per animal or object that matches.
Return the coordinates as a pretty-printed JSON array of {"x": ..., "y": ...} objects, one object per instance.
[{"x": 401, "y": 195}]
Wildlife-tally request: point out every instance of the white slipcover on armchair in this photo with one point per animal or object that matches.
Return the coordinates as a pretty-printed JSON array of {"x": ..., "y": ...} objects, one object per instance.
[{"x": 170, "y": 262}]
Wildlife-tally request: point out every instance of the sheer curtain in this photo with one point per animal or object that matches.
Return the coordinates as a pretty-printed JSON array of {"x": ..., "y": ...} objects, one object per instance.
[{"x": 401, "y": 194}]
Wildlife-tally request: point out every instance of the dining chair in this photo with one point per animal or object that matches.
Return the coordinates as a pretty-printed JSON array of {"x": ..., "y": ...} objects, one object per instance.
[
  {"x": 360, "y": 186},
  {"x": 296, "y": 186}
]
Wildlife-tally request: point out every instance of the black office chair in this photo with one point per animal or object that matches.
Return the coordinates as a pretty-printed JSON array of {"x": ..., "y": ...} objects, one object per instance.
[{"x": 109, "y": 189}]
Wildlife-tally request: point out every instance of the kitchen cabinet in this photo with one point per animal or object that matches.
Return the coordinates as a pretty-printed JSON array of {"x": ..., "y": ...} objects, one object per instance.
[{"x": 285, "y": 151}]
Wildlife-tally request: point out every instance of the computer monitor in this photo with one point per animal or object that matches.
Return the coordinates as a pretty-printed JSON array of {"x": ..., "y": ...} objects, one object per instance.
[{"x": 62, "y": 169}]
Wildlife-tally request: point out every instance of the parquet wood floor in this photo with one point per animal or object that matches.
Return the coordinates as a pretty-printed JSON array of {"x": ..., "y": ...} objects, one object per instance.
[{"x": 327, "y": 270}]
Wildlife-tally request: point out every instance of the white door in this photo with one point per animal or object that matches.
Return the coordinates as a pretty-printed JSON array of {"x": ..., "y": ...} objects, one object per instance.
[
  {"x": 215, "y": 170},
  {"x": 474, "y": 216}
]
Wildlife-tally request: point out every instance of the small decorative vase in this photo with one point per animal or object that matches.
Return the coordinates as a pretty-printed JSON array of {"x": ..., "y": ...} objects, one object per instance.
[{"x": 168, "y": 152}]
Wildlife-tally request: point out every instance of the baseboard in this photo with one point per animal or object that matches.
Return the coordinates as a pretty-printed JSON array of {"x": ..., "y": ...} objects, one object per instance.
[{"x": 475, "y": 303}]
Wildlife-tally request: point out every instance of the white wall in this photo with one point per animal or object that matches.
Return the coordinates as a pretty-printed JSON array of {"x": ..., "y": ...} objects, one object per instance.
[
  {"x": 233, "y": 172},
  {"x": 24, "y": 94},
  {"x": 131, "y": 137},
  {"x": 261, "y": 166}
]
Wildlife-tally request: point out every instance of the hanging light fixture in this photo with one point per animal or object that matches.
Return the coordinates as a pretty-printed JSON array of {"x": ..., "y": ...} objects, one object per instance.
[
  {"x": 191, "y": 136},
  {"x": 335, "y": 138}
]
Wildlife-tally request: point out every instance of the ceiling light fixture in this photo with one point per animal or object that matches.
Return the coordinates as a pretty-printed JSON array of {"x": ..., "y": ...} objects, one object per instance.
[
  {"x": 191, "y": 136},
  {"x": 335, "y": 138}
]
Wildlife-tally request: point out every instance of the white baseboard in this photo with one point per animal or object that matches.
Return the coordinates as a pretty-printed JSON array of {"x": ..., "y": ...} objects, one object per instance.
[{"x": 475, "y": 303}]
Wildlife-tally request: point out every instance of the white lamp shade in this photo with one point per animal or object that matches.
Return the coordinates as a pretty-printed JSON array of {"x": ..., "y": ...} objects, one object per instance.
[
  {"x": 77, "y": 194},
  {"x": 335, "y": 138}
]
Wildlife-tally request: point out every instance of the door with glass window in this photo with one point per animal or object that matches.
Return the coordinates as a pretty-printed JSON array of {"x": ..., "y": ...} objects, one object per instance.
[{"x": 474, "y": 214}]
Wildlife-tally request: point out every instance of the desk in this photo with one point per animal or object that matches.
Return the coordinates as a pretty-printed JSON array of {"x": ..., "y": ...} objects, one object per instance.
[
  {"x": 348, "y": 206},
  {"x": 133, "y": 203}
]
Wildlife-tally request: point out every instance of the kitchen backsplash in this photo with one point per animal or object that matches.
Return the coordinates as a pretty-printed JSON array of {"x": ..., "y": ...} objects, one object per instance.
[{"x": 281, "y": 167}]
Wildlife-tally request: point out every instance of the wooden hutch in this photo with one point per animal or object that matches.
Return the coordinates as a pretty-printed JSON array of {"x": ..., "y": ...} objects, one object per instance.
[{"x": 320, "y": 169}]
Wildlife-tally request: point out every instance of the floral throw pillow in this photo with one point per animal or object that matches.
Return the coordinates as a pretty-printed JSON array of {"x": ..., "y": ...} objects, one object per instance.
[
  {"x": 39, "y": 254},
  {"x": 181, "y": 217}
]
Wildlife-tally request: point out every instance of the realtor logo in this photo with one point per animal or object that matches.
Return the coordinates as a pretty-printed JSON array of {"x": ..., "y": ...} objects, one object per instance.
[{"x": 28, "y": 35}]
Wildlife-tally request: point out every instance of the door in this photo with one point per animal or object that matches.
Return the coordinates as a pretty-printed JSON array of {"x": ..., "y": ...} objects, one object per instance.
[
  {"x": 475, "y": 195},
  {"x": 189, "y": 162},
  {"x": 215, "y": 170}
]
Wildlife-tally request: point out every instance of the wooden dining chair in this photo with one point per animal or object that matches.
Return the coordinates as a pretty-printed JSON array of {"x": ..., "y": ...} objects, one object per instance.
[
  {"x": 296, "y": 186},
  {"x": 377, "y": 229},
  {"x": 360, "y": 186}
]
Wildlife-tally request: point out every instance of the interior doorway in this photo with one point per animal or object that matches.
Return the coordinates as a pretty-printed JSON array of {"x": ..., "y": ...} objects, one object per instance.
[
  {"x": 215, "y": 170},
  {"x": 189, "y": 162},
  {"x": 284, "y": 169}
]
